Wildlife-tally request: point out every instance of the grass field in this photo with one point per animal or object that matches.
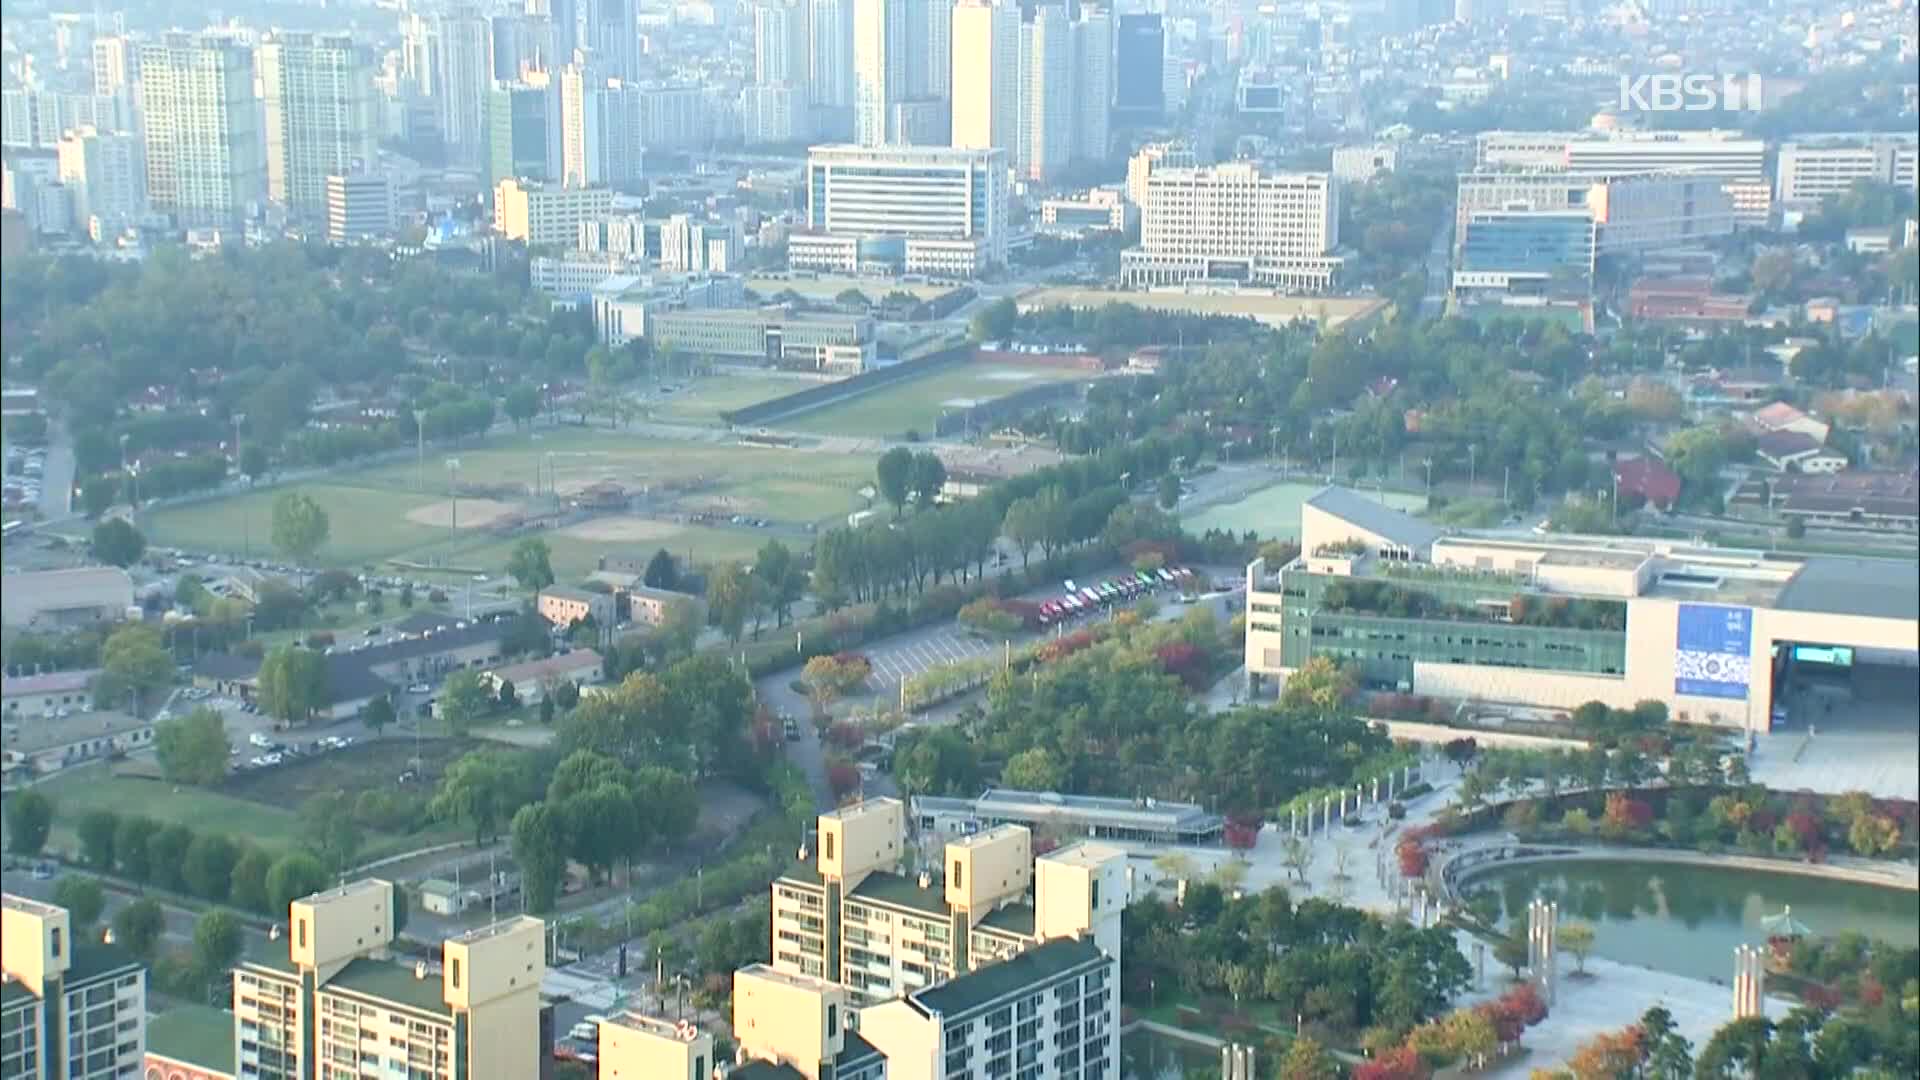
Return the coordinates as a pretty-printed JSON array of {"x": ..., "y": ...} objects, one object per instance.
[
  {"x": 826, "y": 288},
  {"x": 704, "y": 399},
  {"x": 74, "y": 792},
  {"x": 1330, "y": 311},
  {"x": 1274, "y": 512},
  {"x": 916, "y": 403},
  {"x": 369, "y": 508}
]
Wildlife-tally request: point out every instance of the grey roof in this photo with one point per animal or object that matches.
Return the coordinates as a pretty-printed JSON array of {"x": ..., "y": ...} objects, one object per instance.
[
  {"x": 996, "y": 982},
  {"x": 1377, "y": 518},
  {"x": 882, "y": 887},
  {"x": 765, "y": 1070},
  {"x": 856, "y": 1051},
  {"x": 1848, "y": 585}
]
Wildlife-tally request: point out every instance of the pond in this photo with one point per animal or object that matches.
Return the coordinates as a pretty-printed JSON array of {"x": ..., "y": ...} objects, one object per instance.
[
  {"x": 1149, "y": 1055},
  {"x": 1274, "y": 512},
  {"x": 1687, "y": 920}
]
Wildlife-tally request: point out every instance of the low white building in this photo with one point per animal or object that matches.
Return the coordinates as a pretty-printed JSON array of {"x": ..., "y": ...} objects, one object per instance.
[
  {"x": 581, "y": 667},
  {"x": 30, "y": 695}
]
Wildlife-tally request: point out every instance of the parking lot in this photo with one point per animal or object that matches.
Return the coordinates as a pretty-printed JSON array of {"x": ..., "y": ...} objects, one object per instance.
[{"x": 904, "y": 657}]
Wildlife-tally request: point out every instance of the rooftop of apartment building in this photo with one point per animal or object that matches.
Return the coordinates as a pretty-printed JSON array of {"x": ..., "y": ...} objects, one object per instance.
[
  {"x": 411, "y": 986},
  {"x": 498, "y": 929},
  {"x": 1010, "y": 976},
  {"x": 651, "y": 1025},
  {"x": 196, "y": 1035}
]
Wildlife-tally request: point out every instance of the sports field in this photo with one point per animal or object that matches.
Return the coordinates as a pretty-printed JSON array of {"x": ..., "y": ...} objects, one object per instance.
[
  {"x": 378, "y": 514},
  {"x": 916, "y": 403},
  {"x": 702, "y": 400},
  {"x": 1273, "y": 513},
  {"x": 1331, "y": 312}
]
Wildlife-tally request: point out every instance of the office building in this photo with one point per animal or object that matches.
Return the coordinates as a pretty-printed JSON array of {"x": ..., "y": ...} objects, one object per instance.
[
  {"x": 359, "y": 207},
  {"x": 106, "y": 177},
  {"x": 318, "y": 96},
  {"x": 986, "y": 75},
  {"x": 563, "y": 22},
  {"x": 902, "y": 53},
  {"x": 674, "y": 116},
  {"x": 624, "y": 306},
  {"x": 69, "y": 1010},
  {"x": 1631, "y": 213},
  {"x": 462, "y": 75},
  {"x": 851, "y": 918},
  {"x": 801, "y": 341},
  {"x": 830, "y": 66},
  {"x": 612, "y": 37},
  {"x": 1155, "y": 156},
  {"x": 1235, "y": 222},
  {"x": 524, "y": 138},
  {"x": 1809, "y": 170},
  {"x": 522, "y": 43},
  {"x": 337, "y": 996},
  {"x": 1150, "y": 821},
  {"x": 1139, "y": 84},
  {"x": 1526, "y": 252},
  {"x": 922, "y": 209},
  {"x": 546, "y": 214},
  {"x": 1052, "y": 1011},
  {"x": 1359, "y": 164},
  {"x": 1099, "y": 210},
  {"x": 1739, "y": 163},
  {"x": 690, "y": 246},
  {"x": 1046, "y": 136},
  {"x": 602, "y": 135},
  {"x": 1717, "y": 634},
  {"x": 1093, "y": 82},
  {"x": 206, "y": 160}
]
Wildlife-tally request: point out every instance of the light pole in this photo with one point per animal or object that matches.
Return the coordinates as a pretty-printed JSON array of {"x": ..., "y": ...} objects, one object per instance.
[
  {"x": 246, "y": 519},
  {"x": 1473, "y": 462},
  {"x": 453, "y": 494},
  {"x": 420, "y": 449}
]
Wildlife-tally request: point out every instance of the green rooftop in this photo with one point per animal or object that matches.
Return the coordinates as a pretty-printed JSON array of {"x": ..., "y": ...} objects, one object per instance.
[
  {"x": 197, "y": 1035},
  {"x": 1014, "y": 919},
  {"x": 856, "y": 1051},
  {"x": 893, "y": 890},
  {"x": 97, "y": 960},
  {"x": 803, "y": 872},
  {"x": 1008, "y": 977},
  {"x": 388, "y": 982}
]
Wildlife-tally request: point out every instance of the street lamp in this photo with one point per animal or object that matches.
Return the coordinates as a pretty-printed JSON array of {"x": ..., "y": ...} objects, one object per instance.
[
  {"x": 453, "y": 493},
  {"x": 246, "y": 520}
]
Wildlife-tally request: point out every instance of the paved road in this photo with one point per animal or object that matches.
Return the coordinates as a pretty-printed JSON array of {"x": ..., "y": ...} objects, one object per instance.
[
  {"x": 179, "y": 921},
  {"x": 1434, "y": 303}
]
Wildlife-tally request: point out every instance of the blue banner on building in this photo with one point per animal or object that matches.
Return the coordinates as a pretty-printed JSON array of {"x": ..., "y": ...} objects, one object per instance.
[{"x": 1714, "y": 651}]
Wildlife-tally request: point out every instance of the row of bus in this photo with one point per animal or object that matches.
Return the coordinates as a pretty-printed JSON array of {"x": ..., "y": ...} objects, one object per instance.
[{"x": 1086, "y": 599}]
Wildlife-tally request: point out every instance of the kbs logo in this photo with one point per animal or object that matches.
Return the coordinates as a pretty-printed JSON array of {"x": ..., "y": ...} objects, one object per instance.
[{"x": 1691, "y": 93}]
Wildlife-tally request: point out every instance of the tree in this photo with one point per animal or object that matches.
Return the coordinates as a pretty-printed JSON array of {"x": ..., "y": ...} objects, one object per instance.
[
  {"x": 134, "y": 662},
  {"x": 138, "y": 927},
  {"x": 1169, "y": 491},
  {"x": 216, "y": 945},
  {"x": 661, "y": 571},
  {"x": 300, "y": 526},
  {"x": 293, "y": 684},
  {"x": 329, "y": 830},
  {"x": 378, "y": 714},
  {"x": 118, "y": 543},
  {"x": 539, "y": 846},
  {"x": 937, "y": 761},
  {"x": 97, "y": 829},
  {"x": 1032, "y": 770},
  {"x": 828, "y": 678},
  {"x": 521, "y": 404},
  {"x": 781, "y": 580},
  {"x": 1607, "y": 1056},
  {"x": 82, "y": 897},
  {"x": 292, "y": 877},
  {"x": 1297, "y": 854},
  {"x": 531, "y": 564},
  {"x": 253, "y": 461},
  {"x": 1511, "y": 951},
  {"x": 730, "y": 598},
  {"x": 893, "y": 475},
  {"x": 193, "y": 749},
  {"x": 929, "y": 476},
  {"x": 995, "y": 321},
  {"x": 29, "y": 819},
  {"x": 1320, "y": 685},
  {"x": 1306, "y": 1059},
  {"x": 130, "y": 847},
  {"x": 248, "y": 888},
  {"x": 167, "y": 856},
  {"x": 463, "y": 701},
  {"x": 1669, "y": 1054},
  {"x": 475, "y": 790},
  {"x": 208, "y": 867},
  {"x": 1577, "y": 940}
]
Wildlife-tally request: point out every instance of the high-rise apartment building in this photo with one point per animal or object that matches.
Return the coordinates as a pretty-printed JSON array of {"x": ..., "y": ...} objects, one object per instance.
[
  {"x": 69, "y": 1010},
  {"x": 1093, "y": 80},
  {"x": 612, "y": 37},
  {"x": 319, "y": 108},
  {"x": 337, "y": 997},
  {"x": 1140, "y": 52},
  {"x": 922, "y": 209},
  {"x": 986, "y": 75},
  {"x": 1810, "y": 170},
  {"x": 35, "y": 117},
  {"x": 462, "y": 58},
  {"x": 1047, "y": 107},
  {"x": 634, "y": 1046},
  {"x": 852, "y": 919},
  {"x": 106, "y": 176},
  {"x": 780, "y": 43},
  {"x": 359, "y": 205},
  {"x": 546, "y": 214},
  {"x": 116, "y": 74},
  {"x": 902, "y": 70},
  {"x": 1238, "y": 223},
  {"x": 206, "y": 160},
  {"x": 830, "y": 66},
  {"x": 601, "y": 129},
  {"x": 524, "y": 131}
]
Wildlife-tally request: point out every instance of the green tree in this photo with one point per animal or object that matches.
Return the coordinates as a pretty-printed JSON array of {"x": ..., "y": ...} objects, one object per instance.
[
  {"x": 293, "y": 876},
  {"x": 463, "y": 700},
  {"x": 1511, "y": 951},
  {"x": 782, "y": 581},
  {"x": 118, "y": 543},
  {"x": 167, "y": 855},
  {"x": 1306, "y": 1059},
  {"x": 936, "y": 761},
  {"x": 893, "y": 476},
  {"x": 522, "y": 404},
  {"x": 531, "y": 564},
  {"x": 97, "y": 829},
  {"x": 193, "y": 749},
  {"x": 539, "y": 849},
  {"x": 29, "y": 819},
  {"x": 248, "y": 888},
  {"x": 134, "y": 662},
  {"x": 216, "y": 946},
  {"x": 329, "y": 830},
  {"x": 661, "y": 572},
  {"x": 130, "y": 847},
  {"x": 208, "y": 868},
  {"x": 139, "y": 926},
  {"x": 929, "y": 476},
  {"x": 1577, "y": 940},
  {"x": 293, "y": 684},
  {"x": 300, "y": 526},
  {"x": 378, "y": 714},
  {"x": 82, "y": 897},
  {"x": 1169, "y": 491},
  {"x": 730, "y": 598},
  {"x": 1033, "y": 770},
  {"x": 475, "y": 790}
]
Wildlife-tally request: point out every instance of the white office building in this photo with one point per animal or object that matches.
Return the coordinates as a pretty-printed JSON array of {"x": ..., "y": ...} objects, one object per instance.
[
  {"x": 206, "y": 160},
  {"x": 923, "y": 209},
  {"x": 1741, "y": 163},
  {"x": 105, "y": 175},
  {"x": 359, "y": 206},
  {"x": 1810, "y": 170},
  {"x": 830, "y": 65},
  {"x": 318, "y": 94},
  {"x": 902, "y": 56},
  {"x": 1047, "y": 108},
  {"x": 1234, "y": 222}
]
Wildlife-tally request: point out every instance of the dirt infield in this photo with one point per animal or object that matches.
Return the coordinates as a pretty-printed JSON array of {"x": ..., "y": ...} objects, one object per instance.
[
  {"x": 621, "y": 530},
  {"x": 474, "y": 513}
]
